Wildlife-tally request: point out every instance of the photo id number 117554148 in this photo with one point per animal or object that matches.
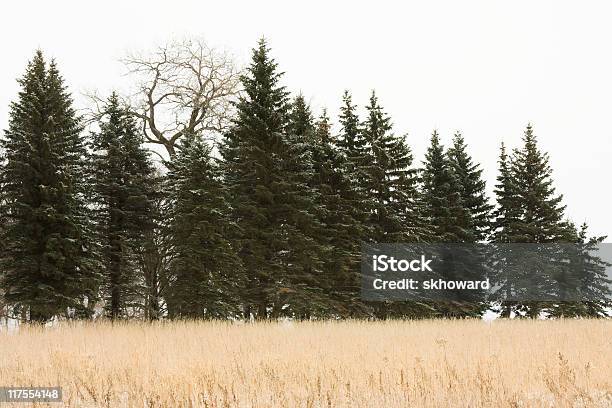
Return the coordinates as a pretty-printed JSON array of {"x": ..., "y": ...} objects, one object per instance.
[{"x": 30, "y": 394}]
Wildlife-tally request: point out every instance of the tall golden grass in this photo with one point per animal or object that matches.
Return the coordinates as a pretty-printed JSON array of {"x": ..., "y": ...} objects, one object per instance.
[{"x": 440, "y": 363}]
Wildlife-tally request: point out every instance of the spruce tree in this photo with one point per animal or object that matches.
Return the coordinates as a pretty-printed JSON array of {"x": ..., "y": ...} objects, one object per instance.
[
  {"x": 268, "y": 168},
  {"x": 307, "y": 286},
  {"x": 505, "y": 218},
  {"x": 469, "y": 260},
  {"x": 249, "y": 151},
  {"x": 530, "y": 212},
  {"x": 206, "y": 272},
  {"x": 351, "y": 141},
  {"x": 122, "y": 180},
  {"x": 472, "y": 190},
  {"x": 506, "y": 213},
  {"x": 353, "y": 148},
  {"x": 394, "y": 211},
  {"x": 48, "y": 265},
  {"x": 584, "y": 287},
  {"x": 391, "y": 182},
  {"x": 300, "y": 121},
  {"x": 154, "y": 251},
  {"x": 451, "y": 222},
  {"x": 341, "y": 231},
  {"x": 442, "y": 191},
  {"x": 542, "y": 214}
]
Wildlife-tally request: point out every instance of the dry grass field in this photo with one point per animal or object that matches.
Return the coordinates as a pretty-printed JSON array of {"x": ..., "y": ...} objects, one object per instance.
[{"x": 327, "y": 364}]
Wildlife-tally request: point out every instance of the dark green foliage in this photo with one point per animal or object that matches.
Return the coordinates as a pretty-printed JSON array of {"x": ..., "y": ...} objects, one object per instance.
[
  {"x": 444, "y": 207},
  {"x": 541, "y": 214},
  {"x": 507, "y": 212},
  {"x": 353, "y": 146},
  {"x": 393, "y": 205},
  {"x": 540, "y": 210},
  {"x": 268, "y": 169},
  {"x": 275, "y": 228},
  {"x": 583, "y": 278},
  {"x": 206, "y": 273},
  {"x": 154, "y": 252},
  {"x": 47, "y": 262},
  {"x": 341, "y": 232},
  {"x": 122, "y": 180},
  {"x": 456, "y": 206},
  {"x": 390, "y": 181},
  {"x": 250, "y": 150},
  {"x": 301, "y": 123},
  {"x": 472, "y": 190},
  {"x": 528, "y": 211}
]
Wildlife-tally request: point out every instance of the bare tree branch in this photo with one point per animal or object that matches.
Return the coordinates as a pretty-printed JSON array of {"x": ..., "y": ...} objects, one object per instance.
[{"x": 184, "y": 87}]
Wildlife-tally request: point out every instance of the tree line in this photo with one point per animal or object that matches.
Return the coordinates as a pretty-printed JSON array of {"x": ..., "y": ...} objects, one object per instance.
[{"x": 266, "y": 223}]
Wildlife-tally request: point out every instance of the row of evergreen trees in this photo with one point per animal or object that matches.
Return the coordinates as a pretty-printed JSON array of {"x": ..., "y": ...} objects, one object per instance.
[{"x": 270, "y": 224}]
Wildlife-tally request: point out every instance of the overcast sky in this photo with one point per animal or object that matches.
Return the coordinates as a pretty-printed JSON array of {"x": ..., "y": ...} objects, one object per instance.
[{"x": 485, "y": 67}]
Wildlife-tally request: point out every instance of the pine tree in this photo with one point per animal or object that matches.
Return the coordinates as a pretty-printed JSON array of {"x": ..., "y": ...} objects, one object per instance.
[
  {"x": 589, "y": 287},
  {"x": 529, "y": 212},
  {"x": 341, "y": 232},
  {"x": 505, "y": 218},
  {"x": 444, "y": 207},
  {"x": 300, "y": 122},
  {"x": 542, "y": 214},
  {"x": 578, "y": 277},
  {"x": 205, "y": 269},
  {"x": 391, "y": 182},
  {"x": 353, "y": 148},
  {"x": 122, "y": 179},
  {"x": 307, "y": 286},
  {"x": 268, "y": 168},
  {"x": 469, "y": 261},
  {"x": 249, "y": 152},
  {"x": 47, "y": 263},
  {"x": 351, "y": 141},
  {"x": 505, "y": 214},
  {"x": 154, "y": 251},
  {"x": 443, "y": 193},
  {"x": 472, "y": 190},
  {"x": 394, "y": 210}
]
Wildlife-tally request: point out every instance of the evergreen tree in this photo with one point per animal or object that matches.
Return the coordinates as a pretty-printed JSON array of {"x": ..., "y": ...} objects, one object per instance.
[
  {"x": 48, "y": 265},
  {"x": 300, "y": 122},
  {"x": 395, "y": 212},
  {"x": 154, "y": 251},
  {"x": 206, "y": 272},
  {"x": 122, "y": 179},
  {"x": 442, "y": 191},
  {"x": 351, "y": 141},
  {"x": 472, "y": 190},
  {"x": 443, "y": 177},
  {"x": 529, "y": 212},
  {"x": 268, "y": 168},
  {"x": 506, "y": 213},
  {"x": 391, "y": 182},
  {"x": 308, "y": 285},
  {"x": 353, "y": 148},
  {"x": 505, "y": 218},
  {"x": 469, "y": 260},
  {"x": 584, "y": 288},
  {"x": 541, "y": 212},
  {"x": 342, "y": 233}
]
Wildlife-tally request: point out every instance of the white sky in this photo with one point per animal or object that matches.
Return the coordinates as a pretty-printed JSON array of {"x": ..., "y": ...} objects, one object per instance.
[{"x": 485, "y": 67}]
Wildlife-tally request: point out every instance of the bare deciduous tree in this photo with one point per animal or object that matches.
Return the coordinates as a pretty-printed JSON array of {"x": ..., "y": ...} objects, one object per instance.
[{"x": 184, "y": 87}]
